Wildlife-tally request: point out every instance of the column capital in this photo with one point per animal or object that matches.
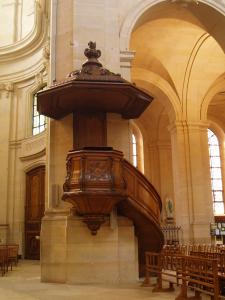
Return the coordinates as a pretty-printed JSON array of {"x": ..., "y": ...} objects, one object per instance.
[
  {"x": 7, "y": 88},
  {"x": 126, "y": 58},
  {"x": 202, "y": 125},
  {"x": 184, "y": 125}
]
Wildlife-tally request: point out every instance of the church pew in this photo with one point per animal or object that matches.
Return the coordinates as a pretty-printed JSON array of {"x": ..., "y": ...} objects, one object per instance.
[
  {"x": 166, "y": 267},
  {"x": 200, "y": 274}
]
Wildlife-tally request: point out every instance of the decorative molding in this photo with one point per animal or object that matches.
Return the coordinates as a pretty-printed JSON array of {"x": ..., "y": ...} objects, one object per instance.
[
  {"x": 98, "y": 170},
  {"x": 32, "y": 41},
  {"x": 26, "y": 73},
  {"x": 56, "y": 213},
  {"x": 15, "y": 144},
  {"x": 39, "y": 79},
  {"x": 46, "y": 55},
  {"x": 33, "y": 147},
  {"x": 46, "y": 50},
  {"x": 94, "y": 222},
  {"x": 34, "y": 156}
]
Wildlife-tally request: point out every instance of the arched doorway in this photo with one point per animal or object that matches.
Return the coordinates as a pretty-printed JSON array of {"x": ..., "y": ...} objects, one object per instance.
[{"x": 34, "y": 211}]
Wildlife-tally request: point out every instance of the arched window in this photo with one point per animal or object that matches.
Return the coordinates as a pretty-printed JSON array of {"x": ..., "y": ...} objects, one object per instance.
[
  {"x": 216, "y": 173},
  {"x": 39, "y": 121},
  {"x": 134, "y": 151}
]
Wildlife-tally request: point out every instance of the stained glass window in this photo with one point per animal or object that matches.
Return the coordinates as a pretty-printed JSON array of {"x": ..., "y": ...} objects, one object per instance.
[
  {"x": 39, "y": 121},
  {"x": 216, "y": 174}
]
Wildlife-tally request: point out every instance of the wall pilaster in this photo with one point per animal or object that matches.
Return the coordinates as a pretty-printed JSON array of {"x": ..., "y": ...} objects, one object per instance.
[{"x": 6, "y": 94}]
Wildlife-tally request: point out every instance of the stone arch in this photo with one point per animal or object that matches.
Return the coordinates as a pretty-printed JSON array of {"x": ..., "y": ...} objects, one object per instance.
[
  {"x": 217, "y": 130},
  {"x": 131, "y": 19},
  {"x": 216, "y": 88},
  {"x": 33, "y": 165},
  {"x": 159, "y": 86}
]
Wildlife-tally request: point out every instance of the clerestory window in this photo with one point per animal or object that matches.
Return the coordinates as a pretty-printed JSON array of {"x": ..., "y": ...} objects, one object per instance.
[{"x": 216, "y": 173}]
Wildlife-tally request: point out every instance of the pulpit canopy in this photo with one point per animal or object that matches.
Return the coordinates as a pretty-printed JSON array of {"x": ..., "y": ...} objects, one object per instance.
[{"x": 93, "y": 88}]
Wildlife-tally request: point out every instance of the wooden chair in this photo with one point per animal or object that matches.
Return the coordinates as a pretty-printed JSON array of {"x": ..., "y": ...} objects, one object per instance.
[
  {"x": 3, "y": 259},
  {"x": 13, "y": 250}
]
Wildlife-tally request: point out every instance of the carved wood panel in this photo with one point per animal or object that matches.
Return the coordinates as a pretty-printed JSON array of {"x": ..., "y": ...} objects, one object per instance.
[{"x": 34, "y": 211}]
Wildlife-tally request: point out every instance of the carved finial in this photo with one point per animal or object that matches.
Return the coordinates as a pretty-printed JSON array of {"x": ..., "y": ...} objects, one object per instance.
[{"x": 91, "y": 52}]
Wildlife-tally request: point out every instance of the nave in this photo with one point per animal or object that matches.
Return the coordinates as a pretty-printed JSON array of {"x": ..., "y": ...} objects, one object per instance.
[{"x": 23, "y": 283}]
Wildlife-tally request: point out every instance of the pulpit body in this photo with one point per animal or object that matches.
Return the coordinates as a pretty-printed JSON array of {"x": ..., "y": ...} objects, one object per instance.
[
  {"x": 94, "y": 184},
  {"x": 97, "y": 175}
]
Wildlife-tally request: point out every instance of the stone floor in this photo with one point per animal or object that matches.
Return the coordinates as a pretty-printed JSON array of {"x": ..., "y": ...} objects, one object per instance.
[{"x": 24, "y": 283}]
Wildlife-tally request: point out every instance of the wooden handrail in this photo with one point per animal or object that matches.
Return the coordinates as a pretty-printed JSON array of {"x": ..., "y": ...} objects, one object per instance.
[{"x": 151, "y": 201}]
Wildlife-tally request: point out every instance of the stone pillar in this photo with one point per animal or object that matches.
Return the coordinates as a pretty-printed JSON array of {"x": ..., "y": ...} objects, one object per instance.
[
  {"x": 70, "y": 254},
  {"x": 102, "y": 14},
  {"x": 6, "y": 94},
  {"x": 191, "y": 172},
  {"x": 118, "y": 134},
  {"x": 54, "y": 246}
]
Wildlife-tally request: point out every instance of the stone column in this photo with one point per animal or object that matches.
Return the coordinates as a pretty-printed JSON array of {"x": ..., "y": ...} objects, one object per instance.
[
  {"x": 6, "y": 94},
  {"x": 191, "y": 172}
]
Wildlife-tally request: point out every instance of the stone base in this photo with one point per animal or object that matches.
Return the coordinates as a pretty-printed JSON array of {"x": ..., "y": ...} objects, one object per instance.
[{"x": 70, "y": 254}]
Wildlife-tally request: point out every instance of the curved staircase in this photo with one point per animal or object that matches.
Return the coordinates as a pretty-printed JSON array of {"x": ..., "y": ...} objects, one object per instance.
[{"x": 143, "y": 206}]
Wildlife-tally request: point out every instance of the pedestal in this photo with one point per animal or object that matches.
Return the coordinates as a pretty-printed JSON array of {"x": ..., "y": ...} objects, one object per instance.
[{"x": 70, "y": 254}]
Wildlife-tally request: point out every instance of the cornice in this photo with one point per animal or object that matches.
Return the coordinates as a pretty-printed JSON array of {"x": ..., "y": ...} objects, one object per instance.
[
  {"x": 27, "y": 45},
  {"x": 127, "y": 56},
  {"x": 33, "y": 147},
  {"x": 25, "y": 74},
  {"x": 33, "y": 156}
]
